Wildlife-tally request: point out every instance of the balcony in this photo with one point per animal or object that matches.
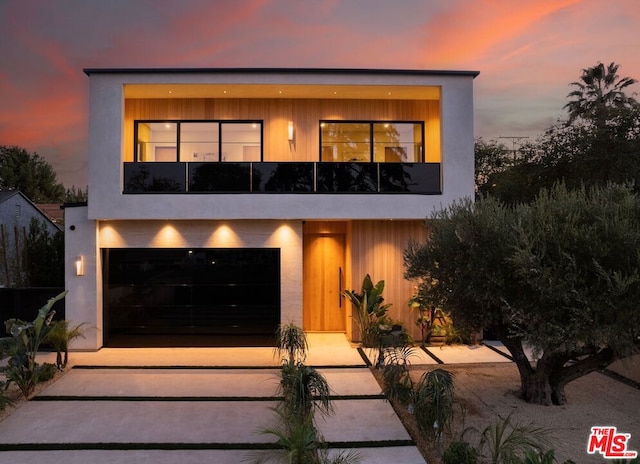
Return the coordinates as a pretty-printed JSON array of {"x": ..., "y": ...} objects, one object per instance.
[{"x": 282, "y": 177}]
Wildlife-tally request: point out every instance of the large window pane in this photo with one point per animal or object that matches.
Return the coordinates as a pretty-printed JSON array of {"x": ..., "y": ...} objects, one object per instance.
[
  {"x": 397, "y": 142},
  {"x": 156, "y": 141},
  {"x": 199, "y": 141},
  {"x": 241, "y": 141},
  {"x": 345, "y": 141}
]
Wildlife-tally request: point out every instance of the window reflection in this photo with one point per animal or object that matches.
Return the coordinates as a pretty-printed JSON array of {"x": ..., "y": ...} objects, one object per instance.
[
  {"x": 393, "y": 142},
  {"x": 346, "y": 142},
  {"x": 397, "y": 142}
]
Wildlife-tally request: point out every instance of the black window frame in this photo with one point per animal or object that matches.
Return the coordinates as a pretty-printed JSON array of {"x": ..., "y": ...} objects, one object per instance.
[
  {"x": 220, "y": 123},
  {"x": 371, "y": 135}
]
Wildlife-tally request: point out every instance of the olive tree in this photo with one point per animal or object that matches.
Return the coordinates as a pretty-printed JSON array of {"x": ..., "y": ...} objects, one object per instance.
[{"x": 560, "y": 275}]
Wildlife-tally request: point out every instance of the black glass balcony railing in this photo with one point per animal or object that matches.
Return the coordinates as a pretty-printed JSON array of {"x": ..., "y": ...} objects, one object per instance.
[{"x": 282, "y": 177}]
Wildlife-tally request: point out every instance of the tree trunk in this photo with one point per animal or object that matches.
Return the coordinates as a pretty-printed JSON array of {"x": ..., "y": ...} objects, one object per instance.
[
  {"x": 537, "y": 389},
  {"x": 545, "y": 383},
  {"x": 561, "y": 375}
]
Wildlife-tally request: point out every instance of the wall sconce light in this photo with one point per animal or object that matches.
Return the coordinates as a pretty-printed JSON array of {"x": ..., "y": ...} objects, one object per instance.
[
  {"x": 290, "y": 131},
  {"x": 79, "y": 265}
]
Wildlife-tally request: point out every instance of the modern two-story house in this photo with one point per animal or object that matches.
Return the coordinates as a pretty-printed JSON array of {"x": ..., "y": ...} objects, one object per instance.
[{"x": 223, "y": 202}]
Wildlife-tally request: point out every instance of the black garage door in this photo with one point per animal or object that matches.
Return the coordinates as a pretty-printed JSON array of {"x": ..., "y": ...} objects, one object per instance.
[{"x": 191, "y": 297}]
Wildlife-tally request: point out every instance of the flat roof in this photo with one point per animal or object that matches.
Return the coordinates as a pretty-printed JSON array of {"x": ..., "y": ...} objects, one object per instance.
[{"x": 326, "y": 71}]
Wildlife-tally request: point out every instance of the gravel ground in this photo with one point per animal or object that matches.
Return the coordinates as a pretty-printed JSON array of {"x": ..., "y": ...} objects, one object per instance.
[{"x": 489, "y": 393}]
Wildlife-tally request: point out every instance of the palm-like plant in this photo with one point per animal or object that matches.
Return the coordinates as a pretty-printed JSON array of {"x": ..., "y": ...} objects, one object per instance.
[
  {"x": 599, "y": 87},
  {"x": 300, "y": 443},
  {"x": 303, "y": 390},
  {"x": 397, "y": 380},
  {"x": 292, "y": 341},
  {"x": 297, "y": 437},
  {"x": 507, "y": 442},
  {"x": 532, "y": 456},
  {"x": 60, "y": 336},
  {"x": 434, "y": 402}
]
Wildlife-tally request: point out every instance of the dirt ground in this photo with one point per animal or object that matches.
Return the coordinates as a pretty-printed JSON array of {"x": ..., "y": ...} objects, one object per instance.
[{"x": 489, "y": 393}]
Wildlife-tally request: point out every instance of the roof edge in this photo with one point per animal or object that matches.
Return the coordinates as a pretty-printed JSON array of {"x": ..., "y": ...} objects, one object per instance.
[
  {"x": 74, "y": 204},
  {"x": 356, "y": 71}
]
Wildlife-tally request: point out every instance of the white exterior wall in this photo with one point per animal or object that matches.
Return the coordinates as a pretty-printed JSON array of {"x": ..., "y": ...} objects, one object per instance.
[
  {"x": 106, "y": 147},
  {"x": 84, "y": 301},
  {"x": 113, "y": 219}
]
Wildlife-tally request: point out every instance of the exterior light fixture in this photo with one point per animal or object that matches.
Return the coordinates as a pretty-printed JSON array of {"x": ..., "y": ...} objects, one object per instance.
[
  {"x": 79, "y": 263},
  {"x": 290, "y": 131}
]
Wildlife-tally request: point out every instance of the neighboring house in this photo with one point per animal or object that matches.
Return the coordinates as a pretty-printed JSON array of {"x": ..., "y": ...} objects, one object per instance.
[
  {"x": 225, "y": 201},
  {"x": 53, "y": 211},
  {"x": 16, "y": 213}
]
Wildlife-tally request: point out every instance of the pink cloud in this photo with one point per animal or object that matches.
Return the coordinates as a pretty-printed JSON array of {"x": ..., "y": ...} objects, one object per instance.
[
  {"x": 471, "y": 28},
  {"x": 527, "y": 51}
]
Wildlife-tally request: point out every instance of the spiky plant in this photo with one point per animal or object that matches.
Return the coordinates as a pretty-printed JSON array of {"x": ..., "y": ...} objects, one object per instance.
[
  {"x": 300, "y": 443},
  {"x": 292, "y": 341},
  {"x": 304, "y": 390},
  {"x": 434, "y": 402},
  {"x": 534, "y": 456},
  {"x": 397, "y": 381},
  {"x": 506, "y": 441},
  {"x": 297, "y": 438}
]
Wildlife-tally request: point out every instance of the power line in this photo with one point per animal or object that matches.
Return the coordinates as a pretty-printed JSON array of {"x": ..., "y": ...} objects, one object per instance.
[{"x": 514, "y": 140}]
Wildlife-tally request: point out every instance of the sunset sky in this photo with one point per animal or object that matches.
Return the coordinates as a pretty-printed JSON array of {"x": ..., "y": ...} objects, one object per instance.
[{"x": 527, "y": 52}]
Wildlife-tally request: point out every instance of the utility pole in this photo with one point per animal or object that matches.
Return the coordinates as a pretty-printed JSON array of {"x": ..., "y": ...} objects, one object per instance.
[{"x": 514, "y": 140}]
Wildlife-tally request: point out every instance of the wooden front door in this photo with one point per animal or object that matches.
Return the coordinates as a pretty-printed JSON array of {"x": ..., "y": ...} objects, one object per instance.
[{"x": 323, "y": 274}]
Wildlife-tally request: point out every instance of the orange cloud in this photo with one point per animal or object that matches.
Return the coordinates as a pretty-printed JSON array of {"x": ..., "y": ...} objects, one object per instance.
[{"x": 467, "y": 32}]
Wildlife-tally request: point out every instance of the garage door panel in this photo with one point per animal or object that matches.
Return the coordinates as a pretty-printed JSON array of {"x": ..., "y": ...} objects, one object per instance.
[{"x": 186, "y": 291}]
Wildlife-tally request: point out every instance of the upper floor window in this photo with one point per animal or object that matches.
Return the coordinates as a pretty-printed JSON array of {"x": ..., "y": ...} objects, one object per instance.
[
  {"x": 382, "y": 142},
  {"x": 198, "y": 141}
]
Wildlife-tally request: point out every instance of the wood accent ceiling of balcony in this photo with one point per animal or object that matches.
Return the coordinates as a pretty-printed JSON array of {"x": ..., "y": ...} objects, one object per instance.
[{"x": 320, "y": 91}]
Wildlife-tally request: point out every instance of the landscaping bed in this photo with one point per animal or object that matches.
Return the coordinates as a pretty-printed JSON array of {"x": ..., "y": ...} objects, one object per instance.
[{"x": 489, "y": 392}]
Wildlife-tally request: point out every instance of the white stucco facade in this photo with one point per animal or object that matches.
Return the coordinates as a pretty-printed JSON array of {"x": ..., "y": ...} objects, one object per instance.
[
  {"x": 113, "y": 219},
  {"x": 106, "y": 143}
]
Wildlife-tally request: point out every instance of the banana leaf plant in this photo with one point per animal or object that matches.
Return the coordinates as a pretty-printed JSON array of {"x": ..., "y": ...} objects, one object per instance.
[
  {"x": 370, "y": 310},
  {"x": 22, "y": 347}
]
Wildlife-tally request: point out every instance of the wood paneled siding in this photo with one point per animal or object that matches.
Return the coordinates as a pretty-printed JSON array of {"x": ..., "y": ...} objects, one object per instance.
[
  {"x": 276, "y": 113},
  {"x": 376, "y": 249}
]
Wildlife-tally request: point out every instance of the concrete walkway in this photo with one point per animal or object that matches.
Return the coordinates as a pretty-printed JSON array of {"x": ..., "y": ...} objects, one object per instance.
[
  {"x": 198, "y": 405},
  {"x": 195, "y": 405}
]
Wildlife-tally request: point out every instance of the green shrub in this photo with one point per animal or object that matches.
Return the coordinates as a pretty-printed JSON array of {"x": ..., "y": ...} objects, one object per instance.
[
  {"x": 434, "y": 402},
  {"x": 22, "y": 348},
  {"x": 395, "y": 374},
  {"x": 46, "y": 372},
  {"x": 460, "y": 452},
  {"x": 506, "y": 442},
  {"x": 4, "y": 400}
]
